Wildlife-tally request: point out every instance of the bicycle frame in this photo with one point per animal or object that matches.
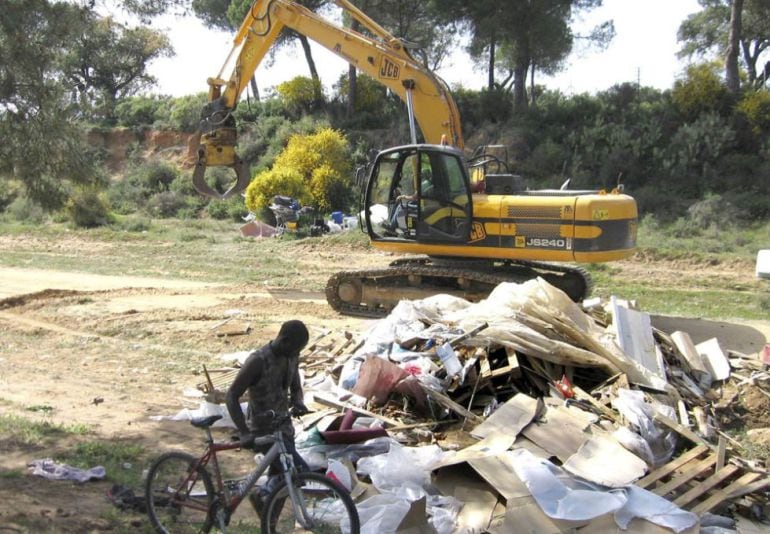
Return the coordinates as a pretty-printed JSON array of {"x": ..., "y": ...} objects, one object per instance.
[{"x": 230, "y": 500}]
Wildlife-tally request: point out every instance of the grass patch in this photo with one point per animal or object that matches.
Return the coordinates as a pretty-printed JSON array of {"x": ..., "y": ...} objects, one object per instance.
[
  {"x": 214, "y": 251},
  {"x": 19, "y": 431}
]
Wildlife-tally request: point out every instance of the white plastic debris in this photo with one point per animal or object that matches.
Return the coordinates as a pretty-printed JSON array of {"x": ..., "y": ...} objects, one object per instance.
[{"x": 563, "y": 497}]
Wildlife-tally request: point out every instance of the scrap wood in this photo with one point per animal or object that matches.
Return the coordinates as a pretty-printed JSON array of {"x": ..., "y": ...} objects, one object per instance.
[
  {"x": 448, "y": 403},
  {"x": 732, "y": 491},
  {"x": 691, "y": 470},
  {"x": 671, "y": 466},
  {"x": 604, "y": 410},
  {"x": 471, "y": 333},
  {"x": 580, "y": 328},
  {"x": 687, "y": 350},
  {"x": 698, "y": 490},
  {"x": 326, "y": 400}
]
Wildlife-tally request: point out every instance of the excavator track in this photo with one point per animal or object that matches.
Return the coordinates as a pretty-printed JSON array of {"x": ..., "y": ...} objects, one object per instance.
[{"x": 375, "y": 292}]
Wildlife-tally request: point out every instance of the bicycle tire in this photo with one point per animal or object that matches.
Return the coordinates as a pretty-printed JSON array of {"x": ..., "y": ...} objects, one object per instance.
[
  {"x": 175, "y": 503},
  {"x": 327, "y": 502}
]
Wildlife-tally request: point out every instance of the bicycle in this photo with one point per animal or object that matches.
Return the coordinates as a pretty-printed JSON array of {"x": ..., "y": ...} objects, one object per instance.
[{"x": 182, "y": 497}]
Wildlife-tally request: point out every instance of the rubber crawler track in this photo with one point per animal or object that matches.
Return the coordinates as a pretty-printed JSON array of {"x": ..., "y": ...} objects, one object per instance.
[{"x": 573, "y": 280}]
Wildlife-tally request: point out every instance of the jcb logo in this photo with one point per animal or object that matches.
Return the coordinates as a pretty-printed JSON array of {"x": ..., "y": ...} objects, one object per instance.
[
  {"x": 520, "y": 241},
  {"x": 600, "y": 215},
  {"x": 477, "y": 232},
  {"x": 388, "y": 69}
]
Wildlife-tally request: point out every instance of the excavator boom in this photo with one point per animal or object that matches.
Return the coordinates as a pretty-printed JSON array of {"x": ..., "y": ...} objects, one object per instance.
[{"x": 382, "y": 56}]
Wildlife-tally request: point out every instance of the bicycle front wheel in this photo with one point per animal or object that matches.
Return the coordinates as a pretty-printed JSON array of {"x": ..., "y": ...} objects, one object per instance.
[
  {"x": 325, "y": 505},
  {"x": 179, "y": 496}
]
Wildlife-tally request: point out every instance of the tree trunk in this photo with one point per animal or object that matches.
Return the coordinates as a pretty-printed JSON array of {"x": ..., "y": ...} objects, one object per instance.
[
  {"x": 313, "y": 71},
  {"x": 491, "y": 81},
  {"x": 352, "y": 83},
  {"x": 352, "y": 78},
  {"x": 520, "y": 86},
  {"x": 732, "y": 79},
  {"x": 532, "y": 96}
]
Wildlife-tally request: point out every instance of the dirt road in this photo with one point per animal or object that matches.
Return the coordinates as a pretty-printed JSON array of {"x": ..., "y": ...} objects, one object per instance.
[{"x": 108, "y": 352}]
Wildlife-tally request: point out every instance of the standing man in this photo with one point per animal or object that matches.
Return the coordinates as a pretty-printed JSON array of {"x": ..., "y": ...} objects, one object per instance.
[{"x": 271, "y": 376}]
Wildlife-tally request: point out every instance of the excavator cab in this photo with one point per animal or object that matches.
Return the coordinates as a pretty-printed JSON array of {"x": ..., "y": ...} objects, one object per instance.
[{"x": 418, "y": 193}]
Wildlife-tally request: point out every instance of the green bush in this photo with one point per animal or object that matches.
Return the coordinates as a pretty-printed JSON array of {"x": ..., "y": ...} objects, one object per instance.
[
  {"x": 185, "y": 113},
  {"x": 9, "y": 192},
  {"x": 88, "y": 207},
  {"x": 156, "y": 175},
  {"x": 166, "y": 204},
  {"x": 712, "y": 211},
  {"x": 232, "y": 208},
  {"x": 371, "y": 97},
  {"x": 143, "y": 111},
  {"x": 755, "y": 106},
  {"x": 23, "y": 209},
  {"x": 301, "y": 95}
]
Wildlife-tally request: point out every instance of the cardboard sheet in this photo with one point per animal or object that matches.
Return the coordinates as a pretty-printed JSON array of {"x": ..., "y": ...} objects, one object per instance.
[{"x": 510, "y": 418}]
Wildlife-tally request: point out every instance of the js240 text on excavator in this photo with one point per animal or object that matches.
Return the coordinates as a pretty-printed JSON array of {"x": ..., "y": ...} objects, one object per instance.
[{"x": 464, "y": 224}]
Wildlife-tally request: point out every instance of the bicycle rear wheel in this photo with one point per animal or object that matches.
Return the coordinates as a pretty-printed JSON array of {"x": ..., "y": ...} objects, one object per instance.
[
  {"x": 179, "y": 496},
  {"x": 328, "y": 507}
]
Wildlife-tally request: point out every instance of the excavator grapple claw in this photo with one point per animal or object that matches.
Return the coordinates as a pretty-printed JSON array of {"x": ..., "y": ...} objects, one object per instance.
[{"x": 241, "y": 182}]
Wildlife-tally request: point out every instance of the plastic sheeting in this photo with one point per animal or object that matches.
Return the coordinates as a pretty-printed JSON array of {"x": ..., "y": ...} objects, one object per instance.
[
  {"x": 402, "y": 476},
  {"x": 204, "y": 410},
  {"x": 658, "y": 444},
  {"x": 513, "y": 311},
  {"x": 563, "y": 497}
]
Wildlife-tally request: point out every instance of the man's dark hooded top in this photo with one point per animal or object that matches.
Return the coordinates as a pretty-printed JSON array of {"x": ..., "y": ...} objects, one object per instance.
[{"x": 270, "y": 374}]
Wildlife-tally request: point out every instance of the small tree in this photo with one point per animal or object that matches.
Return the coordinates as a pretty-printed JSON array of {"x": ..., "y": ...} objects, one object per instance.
[
  {"x": 701, "y": 91},
  {"x": 314, "y": 168}
]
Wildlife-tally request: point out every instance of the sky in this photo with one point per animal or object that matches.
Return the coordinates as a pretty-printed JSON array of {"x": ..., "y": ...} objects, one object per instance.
[{"x": 644, "y": 49}]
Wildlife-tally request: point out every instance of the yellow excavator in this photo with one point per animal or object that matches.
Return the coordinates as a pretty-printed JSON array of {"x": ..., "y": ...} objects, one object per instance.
[{"x": 467, "y": 224}]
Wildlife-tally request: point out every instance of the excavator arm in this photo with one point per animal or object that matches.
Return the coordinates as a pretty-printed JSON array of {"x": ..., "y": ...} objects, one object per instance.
[{"x": 382, "y": 56}]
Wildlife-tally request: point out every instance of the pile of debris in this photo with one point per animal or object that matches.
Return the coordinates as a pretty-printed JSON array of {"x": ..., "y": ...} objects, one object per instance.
[{"x": 586, "y": 417}]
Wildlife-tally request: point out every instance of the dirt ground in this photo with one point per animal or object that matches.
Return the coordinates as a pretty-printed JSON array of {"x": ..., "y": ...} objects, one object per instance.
[{"x": 109, "y": 352}]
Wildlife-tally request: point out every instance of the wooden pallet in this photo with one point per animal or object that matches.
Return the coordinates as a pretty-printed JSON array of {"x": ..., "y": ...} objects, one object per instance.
[{"x": 699, "y": 481}]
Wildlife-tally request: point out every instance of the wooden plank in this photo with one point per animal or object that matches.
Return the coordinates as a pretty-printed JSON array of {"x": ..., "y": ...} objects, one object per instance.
[
  {"x": 714, "y": 359},
  {"x": 721, "y": 452},
  {"x": 684, "y": 418},
  {"x": 703, "y": 425},
  {"x": 687, "y": 474},
  {"x": 686, "y": 348},
  {"x": 712, "y": 481},
  {"x": 672, "y": 466},
  {"x": 724, "y": 494},
  {"x": 584, "y": 396},
  {"x": 448, "y": 403},
  {"x": 513, "y": 362},
  {"x": 750, "y": 488},
  {"x": 326, "y": 400}
]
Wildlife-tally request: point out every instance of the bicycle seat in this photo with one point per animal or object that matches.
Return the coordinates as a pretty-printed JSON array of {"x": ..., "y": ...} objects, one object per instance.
[{"x": 203, "y": 422}]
